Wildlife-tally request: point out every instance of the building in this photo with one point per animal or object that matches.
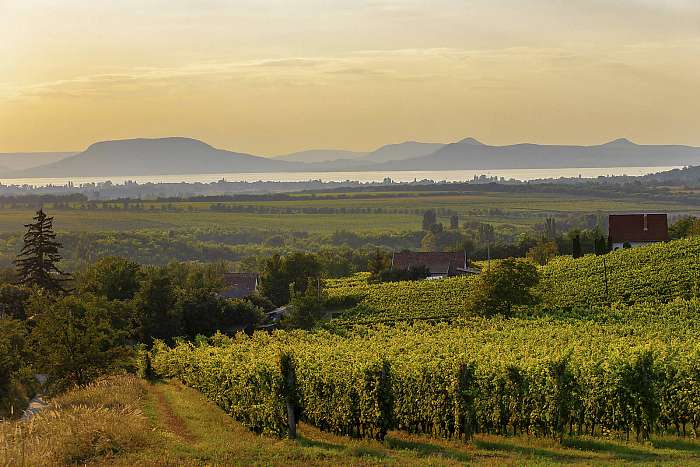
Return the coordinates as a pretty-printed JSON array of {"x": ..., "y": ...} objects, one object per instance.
[
  {"x": 438, "y": 263},
  {"x": 633, "y": 230},
  {"x": 239, "y": 284}
]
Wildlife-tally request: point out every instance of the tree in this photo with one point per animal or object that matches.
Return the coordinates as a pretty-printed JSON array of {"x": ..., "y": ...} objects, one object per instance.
[
  {"x": 429, "y": 218},
  {"x": 576, "y": 247},
  {"x": 378, "y": 263},
  {"x": 504, "y": 285},
  {"x": 13, "y": 300},
  {"x": 550, "y": 228},
  {"x": 281, "y": 272},
  {"x": 37, "y": 262},
  {"x": 79, "y": 339},
  {"x": 486, "y": 234},
  {"x": 113, "y": 277},
  {"x": 305, "y": 309},
  {"x": 156, "y": 314},
  {"x": 601, "y": 246},
  {"x": 543, "y": 251},
  {"x": 14, "y": 357}
]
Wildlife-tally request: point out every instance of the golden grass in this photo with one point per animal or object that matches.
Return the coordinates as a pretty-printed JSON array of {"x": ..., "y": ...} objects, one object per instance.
[{"x": 100, "y": 420}]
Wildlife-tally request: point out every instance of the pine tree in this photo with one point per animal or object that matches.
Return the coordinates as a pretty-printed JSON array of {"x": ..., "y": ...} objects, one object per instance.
[{"x": 37, "y": 262}]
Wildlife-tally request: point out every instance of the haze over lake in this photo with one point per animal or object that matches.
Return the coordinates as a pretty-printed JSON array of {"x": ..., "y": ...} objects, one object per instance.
[{"x": 365, "y": 177}]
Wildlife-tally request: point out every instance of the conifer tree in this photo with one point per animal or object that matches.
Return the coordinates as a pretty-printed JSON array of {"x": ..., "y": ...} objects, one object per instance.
[{"x": 37, "y": 262}]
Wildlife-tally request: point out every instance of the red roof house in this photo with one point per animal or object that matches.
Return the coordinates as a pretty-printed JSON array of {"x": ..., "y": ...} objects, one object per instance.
[
  {"x": 439, "y": 263},
  {"x": 637, "y": 229}
]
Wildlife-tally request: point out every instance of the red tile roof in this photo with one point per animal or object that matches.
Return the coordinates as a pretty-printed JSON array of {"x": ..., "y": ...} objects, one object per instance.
[
  {"x": 438, "y": 262},
  {"x": 239, "y": 284},
  {"x": 638, "y": 228}
]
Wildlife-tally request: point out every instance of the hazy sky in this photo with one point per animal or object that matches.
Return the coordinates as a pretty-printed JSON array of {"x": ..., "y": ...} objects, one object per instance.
[{"x": 275, "y": 76}]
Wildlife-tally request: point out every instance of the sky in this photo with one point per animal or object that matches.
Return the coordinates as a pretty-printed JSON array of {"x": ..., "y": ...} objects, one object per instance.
[{"x": 275, "y": 76}]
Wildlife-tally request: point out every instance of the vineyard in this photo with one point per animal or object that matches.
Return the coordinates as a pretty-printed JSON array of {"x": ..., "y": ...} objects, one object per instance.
[
  {"x": 615, "y": 371},
  {"x": 657, "y": 273},
  {"x": 400, "y": 300}
]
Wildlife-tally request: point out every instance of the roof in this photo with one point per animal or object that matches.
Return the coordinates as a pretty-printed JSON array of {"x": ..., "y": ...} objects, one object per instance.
[
  {"x": 638, "y": 228},
  {"x": 437, "y": 262},
  {"x": 239, "y": 284}
]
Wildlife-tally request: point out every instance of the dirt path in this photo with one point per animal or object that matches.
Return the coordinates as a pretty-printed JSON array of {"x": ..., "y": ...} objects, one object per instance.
[{"x": 171, "y": 421}]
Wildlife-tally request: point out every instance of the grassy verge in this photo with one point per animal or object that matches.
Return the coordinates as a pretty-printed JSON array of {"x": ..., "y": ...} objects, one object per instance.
[{"x": 125, "y": 421}]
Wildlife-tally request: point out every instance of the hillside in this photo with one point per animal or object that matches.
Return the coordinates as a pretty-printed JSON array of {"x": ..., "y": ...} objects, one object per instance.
[
  {"x": 154, "y": 157},
  {"x": 470, "y": 154},
  {"x": 656, "y": 273}
]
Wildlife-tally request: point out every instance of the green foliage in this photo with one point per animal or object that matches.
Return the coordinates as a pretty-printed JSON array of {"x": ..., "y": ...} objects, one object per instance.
[
  {"x": 659, "y": 272},
  {"x": 429, "y": 219},
  {"x": 13, "y": 300},
  {"x": 16, "y": 382},
  {"x": 112, "y": 277},
  {"x": 576, "y": 247},
  {"x": 156, "y": 313},
  {"x": 542, "y": 252},
  {"x": 37, "y": 263},
  {"x": 77, "y": 339},
  {"x": 305, "y": 309},
  {"x": 378, "y": 263},
  {"x": 506, "y": 284},
  {"x": 413, "y": 273},
  {"x": 281, "y": 272},
  {"x": 609, "y": 371},
  {"x": 396, "y": 301}
]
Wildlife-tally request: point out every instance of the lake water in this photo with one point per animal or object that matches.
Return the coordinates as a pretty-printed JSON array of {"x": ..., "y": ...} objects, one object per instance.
[{"x": 396, "y": 176}]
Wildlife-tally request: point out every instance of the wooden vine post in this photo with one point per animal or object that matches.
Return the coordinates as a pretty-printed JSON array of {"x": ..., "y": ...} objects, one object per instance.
[{"x": 289, "y": 390}]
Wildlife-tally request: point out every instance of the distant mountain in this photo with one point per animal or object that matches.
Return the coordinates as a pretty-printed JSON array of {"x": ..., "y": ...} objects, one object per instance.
[
  {"x": 353, "y": 159},
  {"x": 321, "y": 155},
  {"x": 403, "y": 151},
  {"x": 26, "y": 160},
  {"x": 159, "y": 156},
  {"x": 471, "y": 154},
  {"x": 172, "y": 156}
]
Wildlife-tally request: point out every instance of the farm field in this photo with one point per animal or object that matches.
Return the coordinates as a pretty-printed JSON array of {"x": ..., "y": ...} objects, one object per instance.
[
  {"x": 400, "y": 213},
  {"x": 176, "y": 425}
]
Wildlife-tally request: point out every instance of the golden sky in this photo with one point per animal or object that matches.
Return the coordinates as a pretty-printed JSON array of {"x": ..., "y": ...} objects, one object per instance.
[{"x": 276, "y": 76}]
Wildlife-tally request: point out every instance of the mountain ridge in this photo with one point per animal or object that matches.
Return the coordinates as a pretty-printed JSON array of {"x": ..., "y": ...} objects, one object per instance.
[{"x": 181, "y": 155}]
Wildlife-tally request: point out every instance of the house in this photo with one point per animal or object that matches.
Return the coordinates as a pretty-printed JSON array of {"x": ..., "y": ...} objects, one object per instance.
[
  {"x": 635, "y": 230},
  {"x": 239, "y": 284},
  {"x": 439, "y": 263}
]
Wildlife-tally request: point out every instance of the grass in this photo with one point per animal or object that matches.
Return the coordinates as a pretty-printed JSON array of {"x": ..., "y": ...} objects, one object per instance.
[{"x": 125, "y": 421}]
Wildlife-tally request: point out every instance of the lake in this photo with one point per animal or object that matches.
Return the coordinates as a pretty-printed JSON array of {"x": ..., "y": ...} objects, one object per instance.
[{"x": 396, "y": 176}]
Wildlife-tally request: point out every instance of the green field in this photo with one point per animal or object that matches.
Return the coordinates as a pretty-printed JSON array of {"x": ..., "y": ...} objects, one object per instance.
[{"x": 521, "y": 211}]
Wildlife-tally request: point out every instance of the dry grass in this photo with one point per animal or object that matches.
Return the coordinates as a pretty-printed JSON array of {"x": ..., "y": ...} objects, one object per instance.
[{"x": 99, "y": 420}]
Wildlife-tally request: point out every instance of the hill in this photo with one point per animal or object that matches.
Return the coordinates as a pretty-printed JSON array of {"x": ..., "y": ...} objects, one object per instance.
[
  {"x": 471, "y": 154},
  {"x": 322, "y": 155},
  {"x": 10, "y": 161},
  {"x": 154, "y": 157},
  {"x": 656, "y": 273},
  {"x": 336, "y": 159}
]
